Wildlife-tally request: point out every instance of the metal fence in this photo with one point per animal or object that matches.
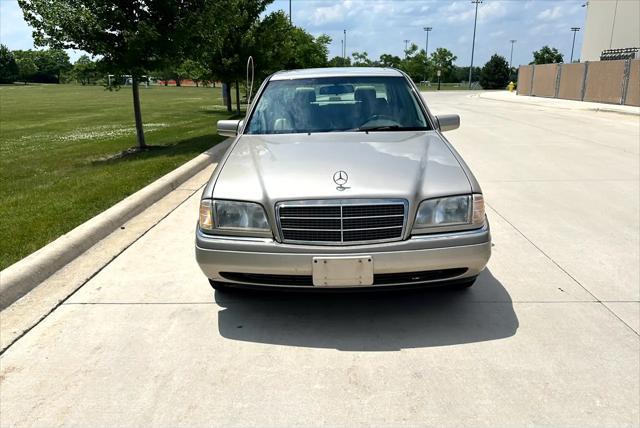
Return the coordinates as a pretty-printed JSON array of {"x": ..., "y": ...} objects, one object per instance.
[{"x": 614, "y": 82}]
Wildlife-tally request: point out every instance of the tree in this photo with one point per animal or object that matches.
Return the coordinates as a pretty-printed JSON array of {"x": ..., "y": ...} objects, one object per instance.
[
  {"x": 85, "y": 70},
  {"x": 461, "y": 74},
  {"x": 414, "y": 63},
  {"x": 339, "y": 61},
  {"x": 8, "y": 66},
  {"x": 495, "y": 73},
  {"x": 192, "y": 70},
  {"x": 224, "y": 39},
  {"x": 51, "y": 64},
  {"x": 361, "y": 59},
  {"x": 547, "y": 55},
  {"x": 387, "y": 60},
  {"x": 442, "y": 59},
  {"x": 131, "y": 37},
  {"x": 26, "y": 68}
]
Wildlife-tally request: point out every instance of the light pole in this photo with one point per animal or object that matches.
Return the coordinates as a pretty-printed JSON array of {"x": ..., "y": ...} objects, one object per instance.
[
  {"x": 426, "y": 52},
  {"x": 575, "y": 30},
  {"x": 406, "y": 44},
  {"x": 345, "y": 44},
  {"x": 473, "y": 43},
  {"x": 289, "y": 12},
  {"x": 426, "y": 46},
  {"x": 342, "y": 48},
  {"x": 511, "y": 56}
]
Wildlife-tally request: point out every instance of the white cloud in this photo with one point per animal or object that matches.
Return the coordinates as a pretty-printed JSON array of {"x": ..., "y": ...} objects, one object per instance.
[
  {"x": 551, "y": 13},
  {"x": 324, "y": 15},
  {"x": 496, "y": 33}
]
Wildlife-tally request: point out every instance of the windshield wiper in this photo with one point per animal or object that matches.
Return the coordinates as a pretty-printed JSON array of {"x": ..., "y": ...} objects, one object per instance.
[{"x": 390, "y": 128}]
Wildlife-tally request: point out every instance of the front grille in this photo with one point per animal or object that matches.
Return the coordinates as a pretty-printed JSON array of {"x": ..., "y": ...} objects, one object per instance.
[
  {"x": 378, "y": 279},
  {"x": 342, "y": 222}
]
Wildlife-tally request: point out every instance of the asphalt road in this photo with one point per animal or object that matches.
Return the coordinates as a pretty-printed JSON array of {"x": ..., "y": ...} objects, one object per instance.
[{"x": 547, "y": 336}]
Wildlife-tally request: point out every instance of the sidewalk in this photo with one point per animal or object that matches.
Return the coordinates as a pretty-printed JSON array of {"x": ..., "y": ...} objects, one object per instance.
[{"x": 558, "y": 103}]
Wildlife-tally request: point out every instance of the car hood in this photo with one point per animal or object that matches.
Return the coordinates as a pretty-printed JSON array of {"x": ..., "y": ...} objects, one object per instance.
[{"x": 412, "y": 165}]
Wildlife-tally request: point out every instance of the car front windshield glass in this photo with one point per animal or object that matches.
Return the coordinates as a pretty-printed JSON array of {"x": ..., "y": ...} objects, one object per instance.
[{"x": 334, "y": 104}]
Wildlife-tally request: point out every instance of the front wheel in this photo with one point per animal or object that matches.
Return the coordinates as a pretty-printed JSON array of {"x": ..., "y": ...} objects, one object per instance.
[
  {"x": 465, "y": 283},
  {"x": 219, "y": 286}
]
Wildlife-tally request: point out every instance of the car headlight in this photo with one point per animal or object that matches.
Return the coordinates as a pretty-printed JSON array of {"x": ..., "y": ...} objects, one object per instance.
[
  {"x": 232, "y": 215},
  {"x": 450, "y": 211}
]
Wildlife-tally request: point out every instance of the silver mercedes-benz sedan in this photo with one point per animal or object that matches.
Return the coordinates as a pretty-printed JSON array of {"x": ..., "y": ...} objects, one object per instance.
[{"x": 341, "y": 178}]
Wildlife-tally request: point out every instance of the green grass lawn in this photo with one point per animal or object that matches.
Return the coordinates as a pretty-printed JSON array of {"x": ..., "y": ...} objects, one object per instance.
[{"x": 53, "y": 142}]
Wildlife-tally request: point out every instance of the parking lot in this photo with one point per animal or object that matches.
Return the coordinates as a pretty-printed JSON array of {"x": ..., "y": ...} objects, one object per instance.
[{"x": 549, "y": 335}]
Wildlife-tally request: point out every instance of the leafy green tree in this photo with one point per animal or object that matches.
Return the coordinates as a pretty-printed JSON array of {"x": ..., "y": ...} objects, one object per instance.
[
  {"x": 52, "y": 64},
  {"x": 442, "y": 59},
  {"x": 192, "y": 70},
  {"x": 278, "y": 45},
  {"x": 495, "y": 73},
  {"x": 309, "y": 51},
  {"x": 339, "y": 61},
  {"x": 85, "y": 70},
  {"x": 8, "y": 66},
  {"x": 461, "y": 74},
  {"x": 547, "y": 55},
  {"x": 224, "y": 39},
  {"x": 26, "y": 69},
  {"x": 388, "y": 60},
  {"x": 361, "y": 59},
  {"x": 131, "y": 37},
  {"x": 414, "y": 63}
]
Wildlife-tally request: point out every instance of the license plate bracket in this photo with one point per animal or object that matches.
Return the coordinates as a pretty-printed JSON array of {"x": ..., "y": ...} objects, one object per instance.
[{"x": 352, "y": 271}]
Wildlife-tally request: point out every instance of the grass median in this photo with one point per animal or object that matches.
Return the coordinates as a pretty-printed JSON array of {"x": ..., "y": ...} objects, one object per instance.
[{"x": 57, "y": 147}]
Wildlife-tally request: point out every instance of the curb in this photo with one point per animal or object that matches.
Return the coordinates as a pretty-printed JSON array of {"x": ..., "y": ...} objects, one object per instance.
[{"x": 24, "y": 275}]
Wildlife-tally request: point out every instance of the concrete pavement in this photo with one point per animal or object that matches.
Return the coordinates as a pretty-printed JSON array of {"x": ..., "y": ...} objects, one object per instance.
[{"x": 547, "y": 336}]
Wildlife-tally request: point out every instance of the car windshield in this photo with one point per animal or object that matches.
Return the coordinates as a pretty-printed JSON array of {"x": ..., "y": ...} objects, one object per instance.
[{"x": 331, "y": 104}]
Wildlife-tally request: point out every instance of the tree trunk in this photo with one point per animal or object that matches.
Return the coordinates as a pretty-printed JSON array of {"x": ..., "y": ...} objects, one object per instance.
[
  {"x": 227, "y": 90},
  {"x": 137, "y": 113},
  {"x": 237, "y": 98}
]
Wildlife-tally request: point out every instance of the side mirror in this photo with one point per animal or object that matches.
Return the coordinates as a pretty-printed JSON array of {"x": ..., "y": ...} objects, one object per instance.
[
  {"x": 228, "y": 128},
  {"x": 448, "y": 122}
]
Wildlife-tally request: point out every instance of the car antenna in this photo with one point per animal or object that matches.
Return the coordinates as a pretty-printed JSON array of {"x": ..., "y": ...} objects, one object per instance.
[{"x": 249, "y": 83}]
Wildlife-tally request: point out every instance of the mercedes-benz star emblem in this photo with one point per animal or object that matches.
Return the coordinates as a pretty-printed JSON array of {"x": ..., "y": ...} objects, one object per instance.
[{"x": 341, "y": 178}]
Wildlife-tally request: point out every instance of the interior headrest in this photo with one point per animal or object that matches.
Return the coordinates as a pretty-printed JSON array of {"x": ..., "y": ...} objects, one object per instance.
[
  {"x": 307, "y": 95},
  {"x": 364, "y": 93}
]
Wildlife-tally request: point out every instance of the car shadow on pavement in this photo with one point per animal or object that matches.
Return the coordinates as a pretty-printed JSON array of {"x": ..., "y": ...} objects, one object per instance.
[{"x": 382, "y": 321}]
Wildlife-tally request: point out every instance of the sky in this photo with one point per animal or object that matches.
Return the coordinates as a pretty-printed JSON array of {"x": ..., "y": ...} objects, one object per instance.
[{"x": 381, "y": 26}]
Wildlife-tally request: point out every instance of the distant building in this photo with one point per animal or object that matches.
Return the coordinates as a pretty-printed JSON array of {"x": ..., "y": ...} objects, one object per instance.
[{"x": 611, "y": 24}]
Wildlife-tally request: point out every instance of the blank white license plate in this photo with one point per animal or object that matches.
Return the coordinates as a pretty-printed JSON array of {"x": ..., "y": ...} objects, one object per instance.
[{"x": 342, "y": 271}]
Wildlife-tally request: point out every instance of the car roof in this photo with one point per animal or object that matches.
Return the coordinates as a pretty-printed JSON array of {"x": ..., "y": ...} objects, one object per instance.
[{"x": 310, "y": 73}]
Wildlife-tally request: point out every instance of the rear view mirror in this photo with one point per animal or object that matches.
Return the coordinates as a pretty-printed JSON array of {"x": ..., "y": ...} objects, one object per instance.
[
  {"x": 228, "y": 128},
  {"x": 448, "y": 122}
]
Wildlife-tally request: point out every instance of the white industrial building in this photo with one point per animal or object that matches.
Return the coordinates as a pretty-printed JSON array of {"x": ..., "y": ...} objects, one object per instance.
[{"x": 611, "y": 24}]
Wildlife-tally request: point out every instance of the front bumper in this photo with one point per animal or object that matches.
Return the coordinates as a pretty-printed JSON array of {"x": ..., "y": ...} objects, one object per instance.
[{"x": 437, "y": 257}]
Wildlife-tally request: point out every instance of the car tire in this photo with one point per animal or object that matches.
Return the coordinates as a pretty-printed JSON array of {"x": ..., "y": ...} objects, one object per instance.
[
  {"x": 465, "y": 283},
  {"x": 219, "y": 286}
]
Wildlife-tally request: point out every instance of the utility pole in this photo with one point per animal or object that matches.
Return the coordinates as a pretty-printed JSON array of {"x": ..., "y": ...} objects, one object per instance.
[
  {"x": 473, "y": 43},
  {"x": 289, "y": 12},
  {"x": 426, "y": 46},
  {"x": 406, "y": 44},
  {"x": 575, "y": 30},
  {"x": 511, "y": 56}
]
